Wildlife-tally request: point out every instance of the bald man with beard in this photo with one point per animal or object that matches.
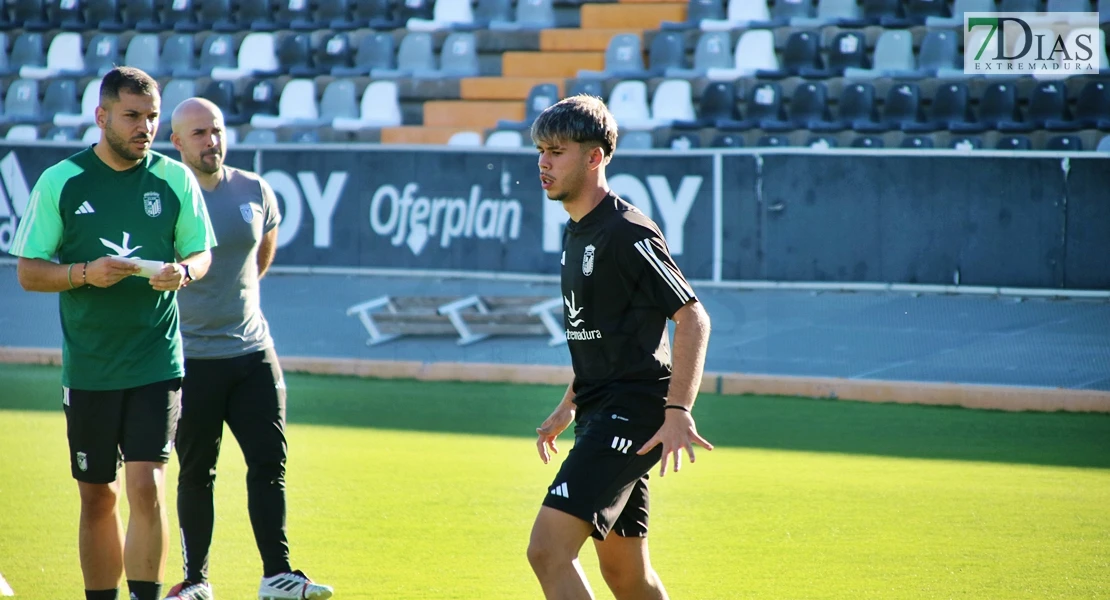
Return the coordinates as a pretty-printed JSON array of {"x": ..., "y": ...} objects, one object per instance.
[{"x": 232, "y": 372}]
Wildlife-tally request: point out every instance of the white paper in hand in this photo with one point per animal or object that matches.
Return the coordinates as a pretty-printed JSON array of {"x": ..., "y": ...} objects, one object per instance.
[{"x": 147, "y": 268}]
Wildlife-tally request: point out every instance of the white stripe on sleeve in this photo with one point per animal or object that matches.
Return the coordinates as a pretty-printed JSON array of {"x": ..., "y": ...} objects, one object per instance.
[{"x": 680, "y": 290}]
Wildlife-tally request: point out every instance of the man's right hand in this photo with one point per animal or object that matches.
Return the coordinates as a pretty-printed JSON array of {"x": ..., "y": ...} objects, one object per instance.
[
  {"x": 551, "y": 428},
  {"x": 107, "y": 271}
]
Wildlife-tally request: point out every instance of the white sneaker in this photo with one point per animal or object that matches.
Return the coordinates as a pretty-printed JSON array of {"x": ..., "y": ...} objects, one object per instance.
[
  {"x": 292, "y": 586},
  {"x": 191, "y": 591}
]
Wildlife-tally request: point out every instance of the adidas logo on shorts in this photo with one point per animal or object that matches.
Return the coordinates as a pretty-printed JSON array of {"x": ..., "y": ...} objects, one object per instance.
[
  {"x": 621, "y": 445},
  {"x": 560, "y": 490}
]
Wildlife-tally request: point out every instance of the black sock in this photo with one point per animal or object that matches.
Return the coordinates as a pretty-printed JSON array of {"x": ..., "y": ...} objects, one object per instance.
[
  {"x": 102, "y": 594},
  {"x": 144, "y": 590}
]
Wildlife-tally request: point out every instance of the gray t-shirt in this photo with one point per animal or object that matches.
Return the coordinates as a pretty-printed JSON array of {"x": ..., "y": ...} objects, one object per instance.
[{"x": 221, "y": 314}]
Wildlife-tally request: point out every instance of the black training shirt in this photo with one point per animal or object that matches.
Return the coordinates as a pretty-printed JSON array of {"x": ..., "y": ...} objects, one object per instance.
[{"x": 619, "y": 286}]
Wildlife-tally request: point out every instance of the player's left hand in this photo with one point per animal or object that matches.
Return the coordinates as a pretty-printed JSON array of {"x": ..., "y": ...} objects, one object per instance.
[
  {"x": 678, "y": 432},
  {"x": 170, "y": 279}
]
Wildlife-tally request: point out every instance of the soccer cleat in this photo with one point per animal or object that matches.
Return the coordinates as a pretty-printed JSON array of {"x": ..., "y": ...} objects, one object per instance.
[
  {"x": 187, "y": 590},
  {"x": 292, "y": 586}
]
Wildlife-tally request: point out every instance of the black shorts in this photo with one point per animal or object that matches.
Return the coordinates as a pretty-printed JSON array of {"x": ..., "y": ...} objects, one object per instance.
[
  {"x": 107, "y": 428},
  {"x": 603, "y": 481}
]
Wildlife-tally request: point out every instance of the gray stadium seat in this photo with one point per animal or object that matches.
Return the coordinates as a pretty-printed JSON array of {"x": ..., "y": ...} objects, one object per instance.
[
  {"x": 713, "y": 51},
  {"x": 21, "y": 103},
  {"x": 22, "y": 133},
  {"x": 375, "y": 52},
  {"x": 143, "y": 52},
  {"x": 260, "y": 136},
  {"x": 339, "y": 101},
  {"x": 696, "y": 12},
  {"x": 60, "y": 97},
  {"x": 334, "y": 52},
  {"x": 893, "y": 56},
  {"x": 667, "y": 51},
  {"x": 176, "y": 92},
  {"x": 624, "y": 58},
  {"x": 102, "y": 54},
  {"x": 63, "y": 58},
  {"x": 217, "y": 51},
  {"x": 178, "y": 56},
  {"x": 459, "y": 57},
  {"x": 1103, "y": 144},
  {"x": 26, "y": 51},
  {"x": 61, "y": 134},
  {"x": 530, "y": 15},
  {"x": 489, "y": 11},
  {"x": 414, "y": 55},
  {"x": 939, "y": 51},
  {"x": 634, "y": 140},
  {"x": 539, "y": 98}
]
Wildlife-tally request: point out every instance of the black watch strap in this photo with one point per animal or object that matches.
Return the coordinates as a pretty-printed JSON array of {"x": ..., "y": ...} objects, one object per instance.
[{"x": 188, "y": 275}]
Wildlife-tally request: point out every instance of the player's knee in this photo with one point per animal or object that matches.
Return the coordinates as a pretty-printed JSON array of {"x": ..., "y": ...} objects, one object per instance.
[
  {"x": 144, "y": 493},
  {"x": 98, "y": 500},
  {"x": 622, "y": 579},
  {"x": 266, "y": 471}
]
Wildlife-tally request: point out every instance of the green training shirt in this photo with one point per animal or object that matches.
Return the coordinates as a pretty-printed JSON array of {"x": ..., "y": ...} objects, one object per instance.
[{"x": 125, "y": 335}]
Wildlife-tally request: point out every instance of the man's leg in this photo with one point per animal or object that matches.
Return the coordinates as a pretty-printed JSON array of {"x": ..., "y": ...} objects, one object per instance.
[
  {"x": 100, "y": 536},
  {"x": 553, "y": 553},
  {"x": 199, "y": 437},
  {"x": 626, "y": 567},
  {"x": 149, "y": 423},
  {"x": 256, "y": 416}
]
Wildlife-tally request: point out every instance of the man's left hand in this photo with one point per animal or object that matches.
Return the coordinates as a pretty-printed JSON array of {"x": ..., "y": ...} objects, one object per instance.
[
  {"x": 170, "y": 279},
  {"x": 678, "y": 432}
]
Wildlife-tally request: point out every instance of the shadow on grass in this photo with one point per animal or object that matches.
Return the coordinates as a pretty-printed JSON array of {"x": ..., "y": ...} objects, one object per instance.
[{"x": 1059, "y": 439}]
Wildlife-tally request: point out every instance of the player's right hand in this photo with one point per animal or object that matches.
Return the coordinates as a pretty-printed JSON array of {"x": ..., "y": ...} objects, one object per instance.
[
  {"x": 551, "y": 428},
  {"x": 107, "y": 271}
]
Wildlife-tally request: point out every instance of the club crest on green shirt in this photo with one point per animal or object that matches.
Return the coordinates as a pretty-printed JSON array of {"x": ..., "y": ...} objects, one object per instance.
[{"x": 152, "y": 202}]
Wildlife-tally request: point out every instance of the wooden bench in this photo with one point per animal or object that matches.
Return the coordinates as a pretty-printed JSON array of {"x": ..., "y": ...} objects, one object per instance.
[{"x": 471, "y": 318}]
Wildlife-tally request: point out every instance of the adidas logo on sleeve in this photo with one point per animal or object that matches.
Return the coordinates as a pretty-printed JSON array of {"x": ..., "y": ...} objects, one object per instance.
[{"x": 84, "y": 209}]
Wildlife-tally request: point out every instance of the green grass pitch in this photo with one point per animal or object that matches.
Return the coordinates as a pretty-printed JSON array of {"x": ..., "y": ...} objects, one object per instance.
[{"x": 401, "y": 489}]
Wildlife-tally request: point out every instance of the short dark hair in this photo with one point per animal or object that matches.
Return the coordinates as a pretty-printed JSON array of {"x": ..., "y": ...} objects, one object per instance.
[
  {"x": 126, "y": 79},
  {"x": 584, "y": 119}
]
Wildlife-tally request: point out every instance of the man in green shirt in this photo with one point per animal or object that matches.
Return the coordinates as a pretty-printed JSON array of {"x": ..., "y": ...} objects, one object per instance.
[{"x": 118, "y": 217}]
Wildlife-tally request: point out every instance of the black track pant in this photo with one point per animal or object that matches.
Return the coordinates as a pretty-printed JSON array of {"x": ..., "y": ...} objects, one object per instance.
[{"x": 247, "y": 392}]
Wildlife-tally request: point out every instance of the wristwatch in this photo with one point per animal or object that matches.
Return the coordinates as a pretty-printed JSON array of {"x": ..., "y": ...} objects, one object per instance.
[{"x": 188, "y": 276}]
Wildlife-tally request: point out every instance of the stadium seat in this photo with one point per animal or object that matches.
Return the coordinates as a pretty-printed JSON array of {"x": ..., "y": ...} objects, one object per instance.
[
  {"x": 855, "y": 108},
  {"x": 682, "y": 141},
  {"x": 634, "y": 140},
  {"x": 848, "y": 50},
  {"x": 918, "y": 11},
  {"x": 465, "y": 138},
  {"x": 231, "y": 136},
  {"x": 256, "y": 57},
  {"x": 91, "y": 135},
  {"x": 727, "y": 140},
  {"x": 505, "y": 139},
  {"x": 787, "y": 11},
  {"x": 22, "y": 133},
  {"x": 334, "y": 52},
  {"x": 1014, "y": 142},
  {"x": 868, "y": 141},
  {"x": 30, "y": 15},
  {"x": 939, "y": 52},
  {"x": 667, "y": 51},
  {"x": 21, "y": 102},
  {"x": 918, "y": 141},
  {"x": 102, "y": 15},
  {"x": 294, "y": 14},
  {"x": 1103, "y": 144},
  {"x": 178, "y": 57},
  {"x": 539, "y": 98},
  {"x": 950, "y": 104},
  {"x": 809, "y": 104},
  {"x": 338, "y": 101},
  {"x": 489, "y": 11},
  {"x": 446, "y": 14},
  {"x": 903, "y": 106},
  {"x": 335, "y": 15},
  {"x": 258, "y": 97},
  {"x": 295, "y": 55},
  {"x": 303, "y": 136},
  {"x": 1064, "y": 143},
  {"x": 773, "y": 141},
  {"x": 718, "y": 103},
  {"x": 90, "y": 99},
  {"x": 375, "y": 53},
  {"x": 143, "y": 52},
  {"x": 65, "y": 14},
  {"x": 530, "y": 15},
  {"x": 380, "y": 107},
  {"x": 840, "y": 12},
  {"x": 414, "y": 55},
  {"x": 740, "y": 14},
  {"x": 893, "y": 57},
  {"x": 378, "y": 14},
  {"x": 755, "y": 51},
  {"x": 672, "y": 102},
  {"x": 176, "y": 92},
  {"x": 959, "y": 7},
  {"x": 802, "y": 55},
  {"x": 587, "y": 87},
  {"x": 296, "y": 107},
  {"x": 61, "y": 134},
  {"x": 222, "y": 94},
  {"x": 624, "y": 58},
  {"x": 140, "y": 16},
  {"x": 696, "y": 12},
  {"x": 4, "y": 67},
  {"x": 628, "y": 103},
  {"x": 458, "y": 58},
  {"x": 1092, "y": 109},
  {"x": 822, "y": 142},
  {"x": 1048, "y": 102},
  {"x": 997, "y": 106},
  {"x": 763, "y": 103},
  {"x": 178, "y": 15},
  {"x": 713, "y": 51},
  {"x": 966, "y": 143},
  {"x": 60, "y": 97},
  {"x": 102, "y": 54},
  {"x": 64, "y": 58},
  {"x": 216, "y": 52},
  {"x": 260, "y": 137},
  {"x": 255, "y": 15}
]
